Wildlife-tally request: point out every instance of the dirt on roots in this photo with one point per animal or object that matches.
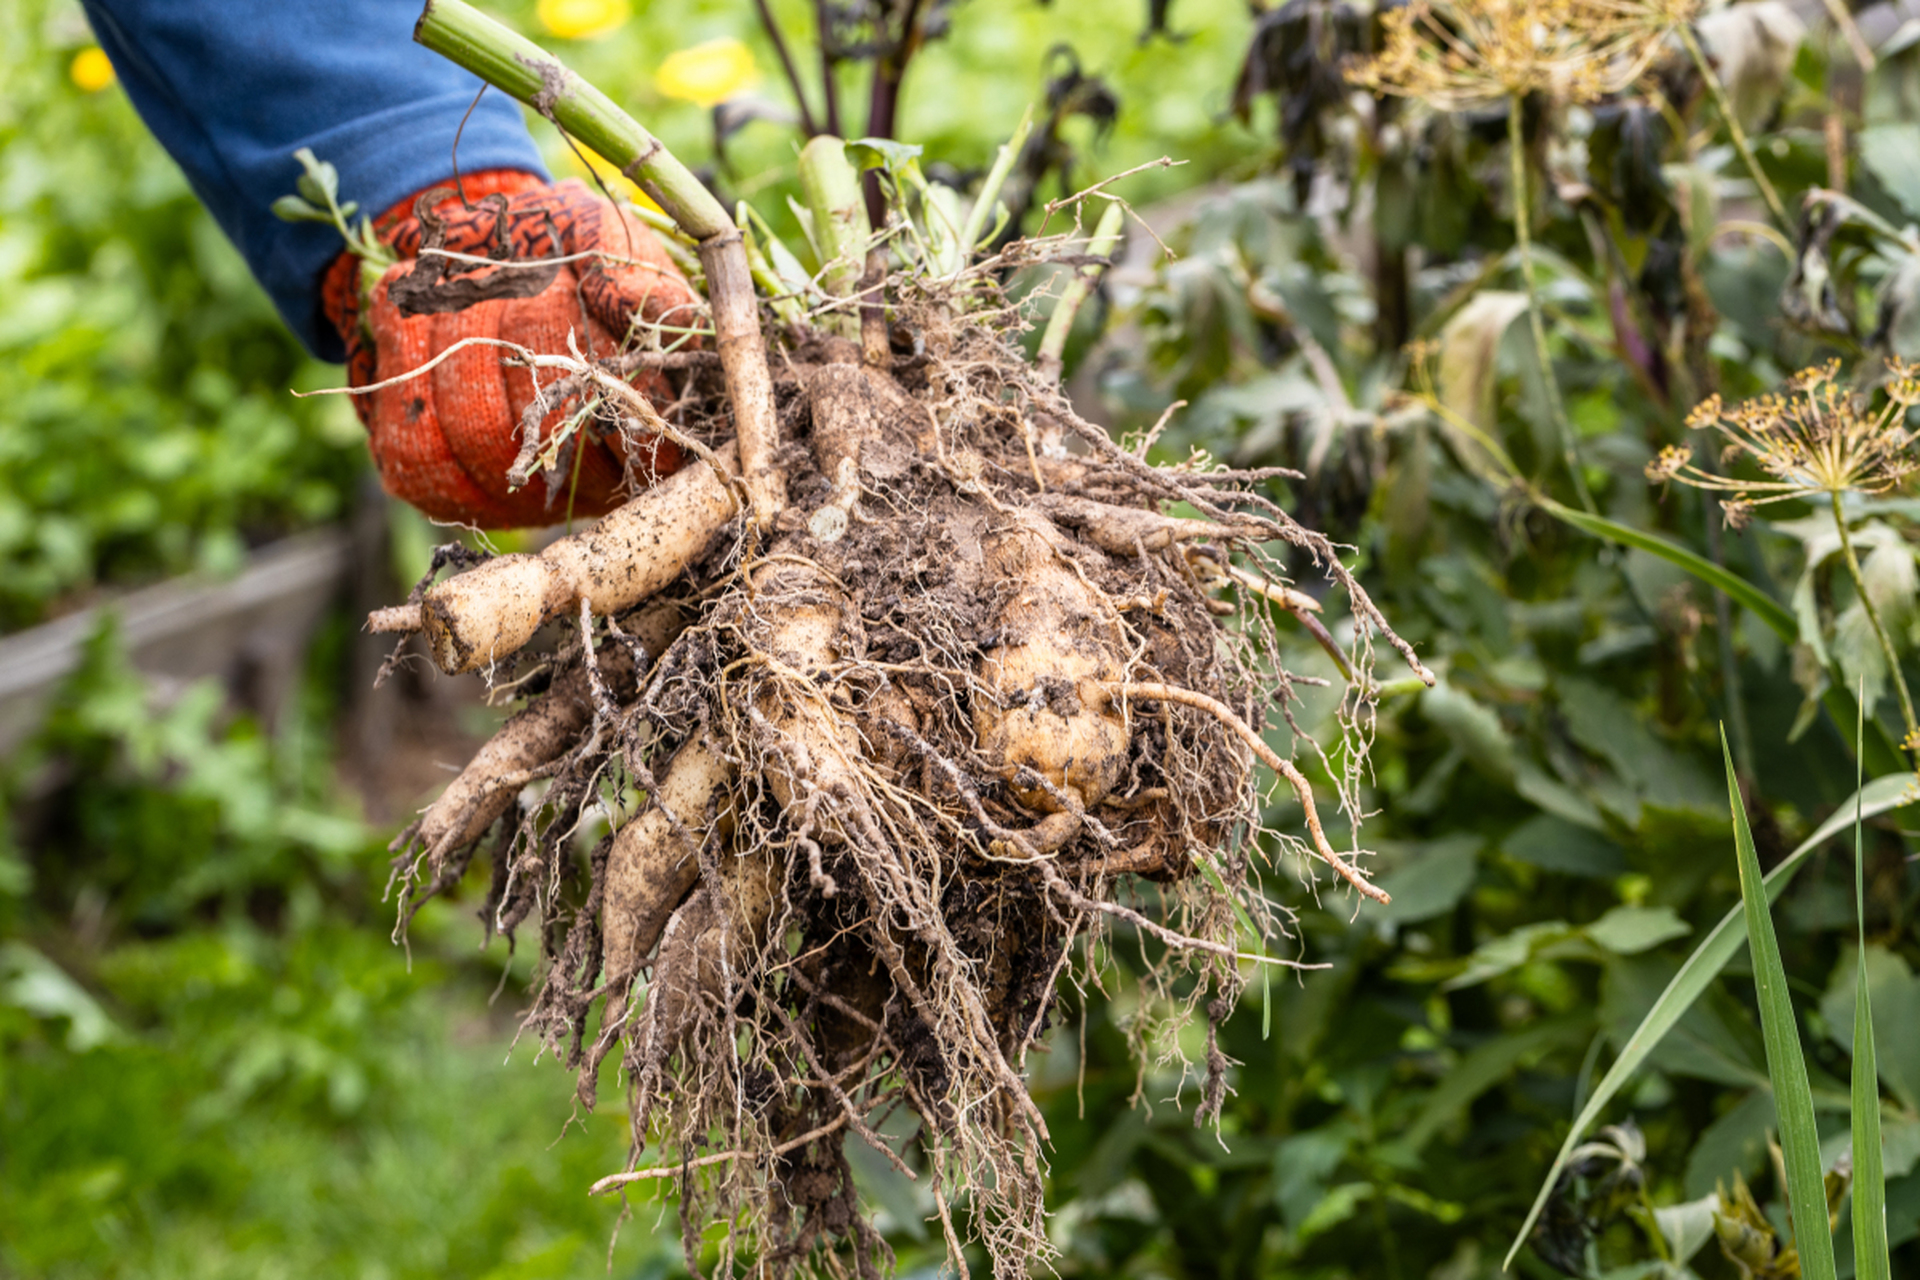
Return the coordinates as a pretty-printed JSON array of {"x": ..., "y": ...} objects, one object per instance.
[{"x": 879, "y": 775}]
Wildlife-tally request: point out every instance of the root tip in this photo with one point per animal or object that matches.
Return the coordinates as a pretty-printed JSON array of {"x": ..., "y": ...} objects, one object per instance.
[{"x": 396, "y": 619}]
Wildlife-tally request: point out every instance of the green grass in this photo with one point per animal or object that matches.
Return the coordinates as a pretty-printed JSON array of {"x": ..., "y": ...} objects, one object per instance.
[{"x": 301, "y": 1105}]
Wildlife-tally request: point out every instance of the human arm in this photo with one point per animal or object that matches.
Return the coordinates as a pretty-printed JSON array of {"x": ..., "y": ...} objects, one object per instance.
[{"x": 233, "y": 90}]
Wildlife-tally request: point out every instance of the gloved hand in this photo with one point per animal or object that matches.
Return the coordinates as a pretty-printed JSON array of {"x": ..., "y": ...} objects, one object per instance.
[{"x": 444, "y": 441}]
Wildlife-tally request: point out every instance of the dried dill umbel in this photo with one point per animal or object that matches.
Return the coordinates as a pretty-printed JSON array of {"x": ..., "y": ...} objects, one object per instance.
[
  {"x": 1457, "y": 54},
  {"x": 1816, "y": 437}
]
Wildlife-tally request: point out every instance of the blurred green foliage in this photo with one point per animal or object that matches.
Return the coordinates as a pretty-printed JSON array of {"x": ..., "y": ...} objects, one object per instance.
[
  {"x": 144, "y": 422},
  {"x": 212, "y": 1059},
  {"x": 1549, "y": 818}
]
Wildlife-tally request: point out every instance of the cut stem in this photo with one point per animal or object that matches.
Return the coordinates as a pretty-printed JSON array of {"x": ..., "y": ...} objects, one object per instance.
[
  {"x": 1053, "y": 343},
  {"x": 1523, "y": 238},
  {"x": 989, "y": 195},
  {"x": 1724, "y": 105},
  {"x": 1873, "y": 618},
  {"x": 840, "y": 226},
  {"x": 515, "y": 65}
]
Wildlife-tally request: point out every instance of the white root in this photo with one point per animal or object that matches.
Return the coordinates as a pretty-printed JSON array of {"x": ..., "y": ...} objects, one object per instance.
[
  {"x": 655, "y": 860},
  {"x": 540, "y": 733},
  {"x": 490, "y": 612},
  {"x": 1049, "y": 710},
  {"x": 1127, "y": 531}
]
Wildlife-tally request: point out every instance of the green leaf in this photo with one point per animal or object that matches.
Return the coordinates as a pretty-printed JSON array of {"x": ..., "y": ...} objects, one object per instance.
[
  {"x": 1687, "y": 1226},
  {"x": 1629, "y": 930},
  {"x": 1792, "y": 1096},
  {"x": 1736, "y": 588},
  {"x": 294, "y": 209},
  {"x": 878, "y": 153},
  {"x": 1700, "y": 969},
  {"x": 319, "y": 182},
  {"x": 1509, "y": 951},
  {"x": 1716, "y": 1039},
  {"x": 1888, "y": 151},
  {"x": 1900, "y": 1145},
  {"x": 1554, "y": 844},
  {"x": 1734, "y": 1144},
  {"x": 30, "y": 981},
  {"x": 1896, "y": 997},
  {"x": 1466, "y": 379},
  {"x": 1485, "y": 1067},
  {"x": 1431, "y": 883},
  {"x": 1871, "y": 1259},
  {"x": 1474, "y": 728}
]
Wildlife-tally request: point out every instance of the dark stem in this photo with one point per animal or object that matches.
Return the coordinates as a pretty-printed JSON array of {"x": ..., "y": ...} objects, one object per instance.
[
  {"x": 829, "y": 86},
  {"x": 1393, "y": 316},
  {"x": 772, "y": 28},
  {"x": 883, "y": 104},
  {"x": 1523, "y": 238}
]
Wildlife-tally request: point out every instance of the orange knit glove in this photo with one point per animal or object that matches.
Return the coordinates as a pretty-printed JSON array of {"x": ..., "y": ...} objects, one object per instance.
[{"x": 445, "y": 440}]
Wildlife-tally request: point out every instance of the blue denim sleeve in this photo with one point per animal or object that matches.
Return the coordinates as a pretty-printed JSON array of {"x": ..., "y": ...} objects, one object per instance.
[{"x": 233, "y": 89}]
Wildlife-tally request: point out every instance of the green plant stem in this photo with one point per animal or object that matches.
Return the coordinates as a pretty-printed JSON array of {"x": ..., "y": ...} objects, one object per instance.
[
  {"x": 1523, "y": 237},
  {"x": 1053, "y": 343},
  {"x": 1871, "y": 1260},
  {"x": 983, "y": 203},
  {"x": 841, "y": 231},
  {"x": 1873, "y": 618},
  {"x": 1724, "y": 105},
  {"x": 512, "y": 63}
]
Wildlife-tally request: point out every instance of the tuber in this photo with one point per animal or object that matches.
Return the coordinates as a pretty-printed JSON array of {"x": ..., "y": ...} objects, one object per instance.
[{"x": 479, "y": 617}]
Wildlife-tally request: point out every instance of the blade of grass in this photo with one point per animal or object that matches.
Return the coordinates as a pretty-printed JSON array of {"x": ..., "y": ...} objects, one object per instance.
[
  {"x": 1882, "y": 754},
  {"x": 1871, "y": 1259},
  {"x": 1786, "y": 1065},
  {"x": 1700, "y": 969}
]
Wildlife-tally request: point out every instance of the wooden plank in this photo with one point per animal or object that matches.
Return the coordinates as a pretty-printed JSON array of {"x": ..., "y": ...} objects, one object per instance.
[{"x": 249, "y": 631}]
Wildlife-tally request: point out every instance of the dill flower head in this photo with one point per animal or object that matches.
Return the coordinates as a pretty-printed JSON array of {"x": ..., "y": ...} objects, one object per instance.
[
  {"x": 1454, "y": 54},
  {"x": 1817, "y": 437}
]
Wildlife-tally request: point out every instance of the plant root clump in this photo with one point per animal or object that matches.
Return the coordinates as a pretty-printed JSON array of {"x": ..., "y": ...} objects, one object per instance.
[{"x": 878, "y": 773}]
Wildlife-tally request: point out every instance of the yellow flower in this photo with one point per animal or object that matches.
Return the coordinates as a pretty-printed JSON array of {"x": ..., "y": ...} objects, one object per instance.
[
  {"x": 1817, "y": 437},
  {"x": 708, "y": 73},
  {"x": 618, "y": 183},
  {"x": 91, "y": 69},
  {"x": 583, "y": 19}
]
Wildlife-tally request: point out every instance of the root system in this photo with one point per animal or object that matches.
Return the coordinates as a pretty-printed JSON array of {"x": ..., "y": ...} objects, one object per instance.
[
  {"x": 877, "y": 775},
  {"x": 899, "y": 702}
]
